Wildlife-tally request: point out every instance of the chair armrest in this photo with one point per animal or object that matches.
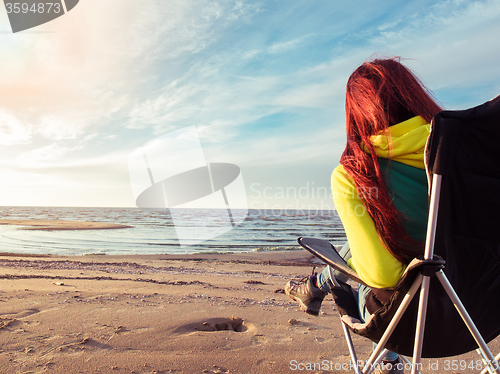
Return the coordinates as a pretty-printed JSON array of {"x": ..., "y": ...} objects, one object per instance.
[{"x": 325, "y": 251}]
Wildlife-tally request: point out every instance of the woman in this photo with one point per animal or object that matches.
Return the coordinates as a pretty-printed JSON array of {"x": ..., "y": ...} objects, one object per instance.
[{"x": 380, "y": 187}]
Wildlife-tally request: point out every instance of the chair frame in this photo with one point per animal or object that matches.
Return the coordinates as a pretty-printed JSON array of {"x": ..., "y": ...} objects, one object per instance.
[{"x": 422, "y": 281}]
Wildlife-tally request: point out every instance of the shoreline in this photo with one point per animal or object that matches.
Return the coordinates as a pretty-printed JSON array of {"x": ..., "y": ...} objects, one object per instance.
[
  {"x": 68, "y": 225},
  {"x": 300, "y": 257}
]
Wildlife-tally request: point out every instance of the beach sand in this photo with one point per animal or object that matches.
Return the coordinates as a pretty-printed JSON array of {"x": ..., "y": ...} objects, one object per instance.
[
  {"x": 54, "y": 225},
  {"x": 217, "y": 313},
  {"x": 159, "y": 314}
]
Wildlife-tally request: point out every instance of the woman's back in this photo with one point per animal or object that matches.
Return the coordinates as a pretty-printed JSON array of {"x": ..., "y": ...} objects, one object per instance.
[
  {"x": 400, "y": 152},
  {"x": 385, "y": 105}
]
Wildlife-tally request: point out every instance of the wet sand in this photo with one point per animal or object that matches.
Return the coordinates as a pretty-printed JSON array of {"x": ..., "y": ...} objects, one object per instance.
[{"x": 51, "y": 225}]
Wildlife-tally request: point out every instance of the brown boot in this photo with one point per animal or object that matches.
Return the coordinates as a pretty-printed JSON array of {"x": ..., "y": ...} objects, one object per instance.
[{"x": 306, "y": 293}]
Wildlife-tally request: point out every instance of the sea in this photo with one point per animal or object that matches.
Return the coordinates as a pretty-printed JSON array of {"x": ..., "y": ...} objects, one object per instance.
[{"x": 154, "y": 231}]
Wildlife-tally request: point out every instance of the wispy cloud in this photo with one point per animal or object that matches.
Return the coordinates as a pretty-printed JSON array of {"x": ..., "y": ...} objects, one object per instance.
[
  {"x": 50, "y": 152},
  {"x": 453, "y": 43},
  {"x": 263, "y": 82},
  {"x": 288, "y": 45},
  {"x": 91, "y": 181},
  {"x": 12, "y": 130},
  {"x": 92, "y": 66}
]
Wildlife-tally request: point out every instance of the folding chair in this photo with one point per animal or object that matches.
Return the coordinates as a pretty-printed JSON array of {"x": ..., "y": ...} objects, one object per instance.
[{"x": 462, "y": 252}]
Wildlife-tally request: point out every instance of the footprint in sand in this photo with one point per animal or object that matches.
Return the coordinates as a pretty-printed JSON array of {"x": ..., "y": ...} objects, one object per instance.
[
  {"x": 6, "y": 322},
  {"x": 235, "y": 324},
  {"x": 12, "y": 319},
  {"x": 21, "y": 314}
]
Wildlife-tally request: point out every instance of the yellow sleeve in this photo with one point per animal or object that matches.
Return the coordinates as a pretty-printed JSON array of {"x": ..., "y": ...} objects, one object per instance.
[{"x": 370, "y": 259}]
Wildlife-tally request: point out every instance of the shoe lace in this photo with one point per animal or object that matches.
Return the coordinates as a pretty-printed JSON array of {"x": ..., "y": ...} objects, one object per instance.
[{"x": 305, "y": 278}]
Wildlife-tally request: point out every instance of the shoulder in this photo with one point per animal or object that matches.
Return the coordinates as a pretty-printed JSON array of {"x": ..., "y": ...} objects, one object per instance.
[
  {"x": 340, "y": 176},
  {"x": 341, "y": 181}
]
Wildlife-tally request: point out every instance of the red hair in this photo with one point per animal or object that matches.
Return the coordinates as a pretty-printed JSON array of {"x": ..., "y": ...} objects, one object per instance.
[{"x": 382, "y": 93}]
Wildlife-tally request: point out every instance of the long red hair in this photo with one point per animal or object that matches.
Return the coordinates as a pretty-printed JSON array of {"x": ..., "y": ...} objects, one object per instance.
[{"x": 381, "y": 93}]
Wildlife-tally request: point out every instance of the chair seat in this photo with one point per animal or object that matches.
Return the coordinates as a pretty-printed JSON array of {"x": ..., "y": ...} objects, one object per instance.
[{"x": 402, "y": 339}]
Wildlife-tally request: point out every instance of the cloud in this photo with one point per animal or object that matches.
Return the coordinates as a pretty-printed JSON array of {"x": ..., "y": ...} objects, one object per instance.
[
  {"x": 12, "y": 130},
  {"x": 91, "y": 66},
  {"x": 93, "y": 69},
  {"x": 453, "y": 43},
  {"x": 52, "y": 152},
  {"x": 87, "y": 187},
  {"x": 260, "y": 91},
  {"x": 57, "y": 181},
  {"x": 189, "y": 26},
  {"x": 286, "y": 46}
]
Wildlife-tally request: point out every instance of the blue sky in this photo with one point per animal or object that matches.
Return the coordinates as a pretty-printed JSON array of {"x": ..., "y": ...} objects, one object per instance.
[{"x": 263, "y": 82}]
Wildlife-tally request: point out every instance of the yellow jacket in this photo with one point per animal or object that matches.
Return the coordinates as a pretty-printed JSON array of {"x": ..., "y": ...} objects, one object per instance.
[{"x": 404, "y": 143}]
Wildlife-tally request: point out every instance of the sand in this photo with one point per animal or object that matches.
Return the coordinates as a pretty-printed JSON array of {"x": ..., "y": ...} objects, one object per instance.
[
  {"x": 147, "y": 314},
  {"x": 51, "y": 225},
  {"x": 220, "y": 313}
]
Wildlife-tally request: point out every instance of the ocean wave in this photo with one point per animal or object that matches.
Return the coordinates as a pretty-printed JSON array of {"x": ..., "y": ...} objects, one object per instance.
[
  {"x": 269, "y": 249},
  {"x": 154, "y": 232}
]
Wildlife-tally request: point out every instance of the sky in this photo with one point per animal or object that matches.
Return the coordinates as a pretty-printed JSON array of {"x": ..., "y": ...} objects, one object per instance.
[{"x": 262, "y": 81}]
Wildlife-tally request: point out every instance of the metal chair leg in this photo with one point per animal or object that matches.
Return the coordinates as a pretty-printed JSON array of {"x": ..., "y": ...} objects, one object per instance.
[
  {"x": 468, "y": 322},
  {"x": 395, "y": 320},
  {"x": 405, "y": 359},
  {"x": 352, "y": 352},
  {"x": 487, "y": 368}
]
